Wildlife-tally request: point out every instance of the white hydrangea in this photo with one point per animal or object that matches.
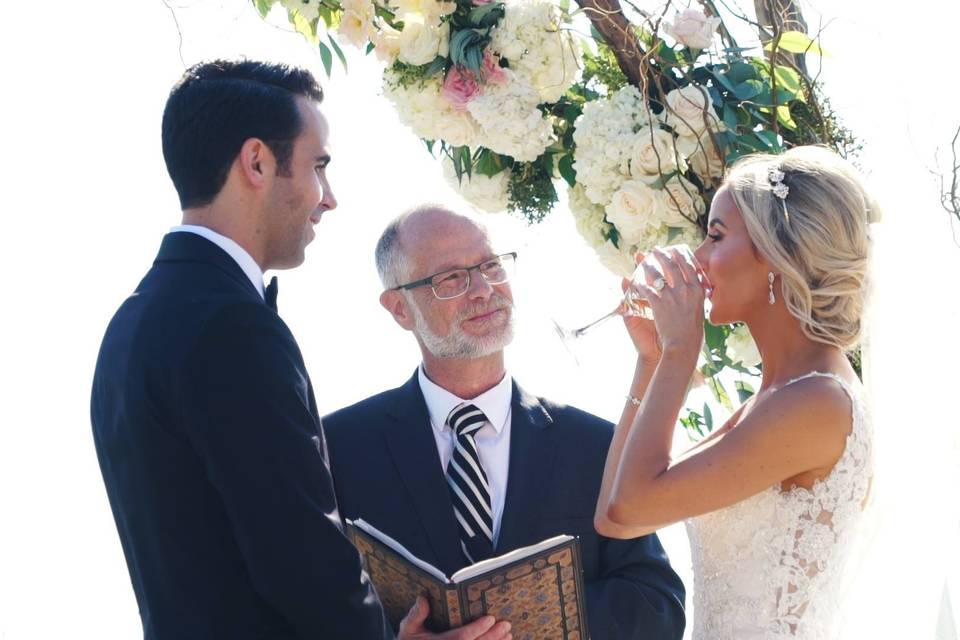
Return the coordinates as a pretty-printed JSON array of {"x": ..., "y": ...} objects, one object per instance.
[
  {"x": 422, "y": 108},
  {"x": 588, "y": 217},
  {"x": 531, "y": 37},
  {"x": 619, "y": 261},
  {"x": 509, "y": 120},
  {"x": 605, "y": 137},
  {"x": 488, "y": 193}
]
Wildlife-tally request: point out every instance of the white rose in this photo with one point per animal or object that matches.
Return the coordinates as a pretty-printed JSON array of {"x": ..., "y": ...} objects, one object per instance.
[
  {"x": 420, "y": 43},
  {"x": 706, "y": 161},
  {"x": 621, "y": 262},
  {"x": 653, "y": 153},
  {"x": 356, "y": 26},
  {"x": 430, "y": 11},
  {"x": 634, "y": 207},
  {"x": 386, "y": 41},
  {"x": 741, "y": 347},
  {"x": 693, "y": 29},
  {"x": 690, "y": 111},
  {"x": 681, "y": 203}
]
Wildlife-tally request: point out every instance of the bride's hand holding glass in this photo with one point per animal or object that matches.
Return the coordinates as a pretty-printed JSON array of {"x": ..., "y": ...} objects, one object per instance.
[
  {"x": 676, "y": 298},
  {"x": 640, "y": 324}
]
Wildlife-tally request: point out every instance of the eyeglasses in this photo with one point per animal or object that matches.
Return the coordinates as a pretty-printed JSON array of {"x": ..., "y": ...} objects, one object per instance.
[{"x": 455, "y": 282}]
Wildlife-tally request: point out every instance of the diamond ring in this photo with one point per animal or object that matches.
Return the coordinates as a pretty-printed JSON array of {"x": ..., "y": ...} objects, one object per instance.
[{"x": 659, "y": 284}]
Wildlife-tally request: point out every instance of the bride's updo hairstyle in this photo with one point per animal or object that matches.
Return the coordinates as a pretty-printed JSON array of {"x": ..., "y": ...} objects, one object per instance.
[{"x": 815, "y": 237}]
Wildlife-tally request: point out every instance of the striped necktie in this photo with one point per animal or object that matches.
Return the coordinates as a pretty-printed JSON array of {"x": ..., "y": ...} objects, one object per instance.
[{"x": 467, "y": 481}]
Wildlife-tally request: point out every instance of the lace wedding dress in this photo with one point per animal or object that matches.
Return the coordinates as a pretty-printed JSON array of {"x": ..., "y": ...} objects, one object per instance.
[{"x": 774, "y": 565}]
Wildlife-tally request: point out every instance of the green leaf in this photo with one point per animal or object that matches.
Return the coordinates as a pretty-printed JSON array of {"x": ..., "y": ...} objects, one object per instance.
[
  {"x": 785, "y": 117},
  {"x": 263, "y": 7},
  {"x": 730, "y": 117},
  {"x": 486, "y": 15},
  {"x": 748, "y": 89},
  {"x": 707, "y": 416},
  {"x": 337, "y": 50},
  {"x": 724, "y": 80},
  {"x": 370, "y": 47},
  {"x": 488, "y": 163},
  {"x": 795, "y": 42},
  {"x": 788, "y": 79},
  {"x": 596, "y": 35},
  {"x": 326, "y": 57},
  {"x": 744, "y": 390},
  {"x": 566, "y": 169},
  {"x": 770, "y": 139},
  {"x": 715, "y": 336},
  {"x": 741, "y": 72},
  {"x": 306, "y": 28},
  {"x": 439, "y": 64},
  {"x": 466, "y": 48},
  {"x": 716, "y": 387}
]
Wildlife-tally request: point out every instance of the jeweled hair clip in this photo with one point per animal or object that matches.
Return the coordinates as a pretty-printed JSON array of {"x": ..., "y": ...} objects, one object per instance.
[{"x": 776, "y": 176}]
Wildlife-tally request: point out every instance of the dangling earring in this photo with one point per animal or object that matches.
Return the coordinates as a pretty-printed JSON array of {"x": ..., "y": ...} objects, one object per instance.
[{"x": 771, "y": 298}]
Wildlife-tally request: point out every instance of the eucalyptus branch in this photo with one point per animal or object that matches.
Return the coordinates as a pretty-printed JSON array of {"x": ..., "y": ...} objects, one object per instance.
[{"x": 950, "y": 195}]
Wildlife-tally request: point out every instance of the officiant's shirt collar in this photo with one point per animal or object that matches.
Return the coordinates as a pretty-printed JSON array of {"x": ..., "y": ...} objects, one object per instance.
[
  {"x": 494, "y": 403},
  {"x": 234, "y": 250}
]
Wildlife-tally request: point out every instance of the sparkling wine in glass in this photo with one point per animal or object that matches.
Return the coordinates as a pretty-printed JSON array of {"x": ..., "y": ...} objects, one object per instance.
[{"x": 630, "y": 305}]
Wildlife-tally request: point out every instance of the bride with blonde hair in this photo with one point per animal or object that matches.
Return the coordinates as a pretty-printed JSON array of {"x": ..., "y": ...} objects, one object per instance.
[{"x": 776, "y": 499}]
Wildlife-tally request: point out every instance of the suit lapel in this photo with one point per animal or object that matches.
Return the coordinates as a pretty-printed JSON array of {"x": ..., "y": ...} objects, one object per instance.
[
  {"x": 414, "y": 450},
  {"x": 532, "y": 452}
]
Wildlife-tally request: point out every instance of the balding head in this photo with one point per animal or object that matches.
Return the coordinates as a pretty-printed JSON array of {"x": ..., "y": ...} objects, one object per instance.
[{"x": 414, "y": 230}]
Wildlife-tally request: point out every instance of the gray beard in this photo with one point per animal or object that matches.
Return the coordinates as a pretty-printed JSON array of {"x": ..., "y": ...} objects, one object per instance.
[{"x": 458, "y": 344}]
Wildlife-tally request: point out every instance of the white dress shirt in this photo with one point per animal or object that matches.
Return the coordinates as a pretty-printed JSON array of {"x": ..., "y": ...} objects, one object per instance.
[
  {"x": 493, "y": 439},
  {"x": 235, "y": 251}
]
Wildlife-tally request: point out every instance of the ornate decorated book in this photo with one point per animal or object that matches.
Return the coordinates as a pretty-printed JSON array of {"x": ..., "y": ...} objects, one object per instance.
[{"x": 538, "y": 589}]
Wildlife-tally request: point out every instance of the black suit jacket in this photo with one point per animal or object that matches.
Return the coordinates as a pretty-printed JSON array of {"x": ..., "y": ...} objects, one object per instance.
[
  {"x": 387, "y": 471},
  {"x": 215, "y": 464}
]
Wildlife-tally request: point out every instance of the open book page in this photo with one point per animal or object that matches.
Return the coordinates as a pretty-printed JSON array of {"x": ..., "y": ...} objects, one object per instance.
[
  {"x": 400, "y": 549},
  {"x": 500, "y": 561}
]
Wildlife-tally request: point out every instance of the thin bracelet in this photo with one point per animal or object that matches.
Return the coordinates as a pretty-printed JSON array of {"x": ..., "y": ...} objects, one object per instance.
[{"x": 633, "y": 400}]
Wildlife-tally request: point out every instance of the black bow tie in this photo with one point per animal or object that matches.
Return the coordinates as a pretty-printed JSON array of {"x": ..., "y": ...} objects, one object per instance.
[{"x": 270, "y": 294}]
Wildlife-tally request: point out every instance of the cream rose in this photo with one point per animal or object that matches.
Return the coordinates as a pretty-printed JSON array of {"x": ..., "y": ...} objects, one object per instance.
[
  {"x": 386, "y": 42},
  {"x": 356, "y": 27},
  {"x": 690, "y": 111},
  {"x": 430, "y": 11},
  {"x": 634, "y": 207},
  {"x": 702, "y": 155},
  {"x": 693, "y": 28},
  {"x": 420, "y": 43},
  {"x": 741, "y": 347},
  {"x": 653, "y": 153},
  {"x": 681, "y": 203}
]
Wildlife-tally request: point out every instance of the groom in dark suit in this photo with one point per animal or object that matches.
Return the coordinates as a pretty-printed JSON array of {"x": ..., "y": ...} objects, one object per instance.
[
  {"x": 204, "y": 418},
  {"x": 460, "y": 463}
]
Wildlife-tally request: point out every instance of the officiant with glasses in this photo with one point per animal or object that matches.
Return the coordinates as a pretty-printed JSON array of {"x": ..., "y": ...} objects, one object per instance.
[{"x": 459, "y": 463}]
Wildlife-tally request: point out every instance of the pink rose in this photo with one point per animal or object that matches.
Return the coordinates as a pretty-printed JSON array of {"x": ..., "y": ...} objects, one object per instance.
[
  {"x": 491, "y": 71},
  {"x": 459, "y": 87}
]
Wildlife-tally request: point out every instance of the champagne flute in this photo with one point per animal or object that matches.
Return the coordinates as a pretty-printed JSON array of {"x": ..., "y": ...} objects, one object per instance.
[{"x": 632, "y": 303}]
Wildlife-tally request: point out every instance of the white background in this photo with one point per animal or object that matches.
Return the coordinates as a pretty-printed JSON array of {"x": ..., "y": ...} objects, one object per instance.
[{"x": 85, "y": 200}]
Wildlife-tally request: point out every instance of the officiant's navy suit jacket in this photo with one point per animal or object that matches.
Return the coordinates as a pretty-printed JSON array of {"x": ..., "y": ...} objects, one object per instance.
[
  {"x": 387, "y": 471},
  {"x": 215, "y": 464}
]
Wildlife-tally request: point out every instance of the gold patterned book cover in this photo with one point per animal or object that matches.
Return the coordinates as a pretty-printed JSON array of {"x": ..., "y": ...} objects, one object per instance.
[{"x": 538, "y": 589}]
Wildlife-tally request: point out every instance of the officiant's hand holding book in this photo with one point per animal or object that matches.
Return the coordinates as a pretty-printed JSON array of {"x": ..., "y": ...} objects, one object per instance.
[
  {"x": 412, "y": 627},
  {"x": 537, "y": 589}
]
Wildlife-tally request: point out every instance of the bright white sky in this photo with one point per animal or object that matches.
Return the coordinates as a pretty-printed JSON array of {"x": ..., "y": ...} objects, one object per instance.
[{"x": 86, "y": 201}]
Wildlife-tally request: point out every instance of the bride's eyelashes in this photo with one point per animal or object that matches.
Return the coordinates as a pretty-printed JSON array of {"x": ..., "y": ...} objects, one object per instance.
[{"x": 715, "y": 237}]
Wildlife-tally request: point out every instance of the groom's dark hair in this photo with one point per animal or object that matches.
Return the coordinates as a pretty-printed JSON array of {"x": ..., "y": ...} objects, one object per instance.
[{"x": 215, "y": 107}]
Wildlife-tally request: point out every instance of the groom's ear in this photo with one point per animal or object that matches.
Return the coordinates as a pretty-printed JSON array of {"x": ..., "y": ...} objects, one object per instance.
[
  {"x": 256, "y": 162},
  {"x": 396, "y": 303}
]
